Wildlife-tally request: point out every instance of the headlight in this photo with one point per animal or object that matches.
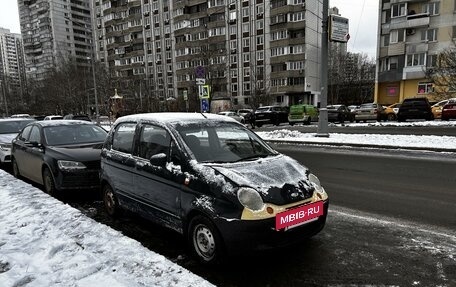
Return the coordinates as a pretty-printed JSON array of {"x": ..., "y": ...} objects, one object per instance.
[
  {"x": 5, "y": 146},
  {"x": 250, "y": 198},
  {"x": 70, "y": 165},
  {"x": 316, "y": 183}
]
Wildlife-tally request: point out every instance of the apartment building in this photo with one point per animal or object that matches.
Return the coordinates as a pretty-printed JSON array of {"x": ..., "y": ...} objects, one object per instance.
[
  {"x": 12, "y": 67},
  {"x": 411, "y": 34},
  {"x": 53, "y": 30},
  {"x": 240, "y": 48}
]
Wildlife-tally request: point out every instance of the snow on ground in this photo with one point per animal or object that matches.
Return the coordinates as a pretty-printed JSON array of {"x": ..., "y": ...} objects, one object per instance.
[
  {"x": 383, "y": 140},
  {"x": 44, "y": 242}
]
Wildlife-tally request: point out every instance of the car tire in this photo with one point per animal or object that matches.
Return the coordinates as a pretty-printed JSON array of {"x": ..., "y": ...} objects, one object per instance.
[
  {"x": 291, "y": 124},
  {"x": 445, "y": 119},
  {"x": 391, "y": 117},
  {"x": 259, "y": 125},
  {"x": 307, "y": 122},
  {"x": 110, "y": 202},
  {"x": 204, "y": 240},
  {"x": 16, "y": 171},
  {"x": 49, "y": 183}
]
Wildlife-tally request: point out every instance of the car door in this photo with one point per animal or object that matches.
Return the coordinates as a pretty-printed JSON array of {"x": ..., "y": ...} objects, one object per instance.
[
  {"x": 118, "y": 162},
  {"x": 158, "y": 186},
  {"x": 34, "y": 154},
  {"x": 19, "y": 150}
]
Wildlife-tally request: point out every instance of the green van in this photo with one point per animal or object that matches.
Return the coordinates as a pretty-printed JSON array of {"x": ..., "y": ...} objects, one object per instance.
[{"x": 302, "y": 114}]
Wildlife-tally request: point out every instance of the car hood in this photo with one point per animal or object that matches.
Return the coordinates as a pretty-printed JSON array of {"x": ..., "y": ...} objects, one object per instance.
[
  {"x": 279, "y": 179},
  {"x": 87, "y": 152},
  {"x": 7, "y": 138}
]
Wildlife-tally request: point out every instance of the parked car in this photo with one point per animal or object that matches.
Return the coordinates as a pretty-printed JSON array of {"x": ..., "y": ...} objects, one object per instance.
[
  {"x": 61, "y": 154},
  {"x": 368, "y": 112},
  {"x": 390, "y": 112},
  {"x": 249, "y": 116},
  {"x": 27, "y": 116},
  {"x": 302, "y": 114},
  {"x": 340, "y": 113},
  {"x": 9, "y": 128},
  {"x": 53, "y": 117},
  {"x": 271, "y": 115},
  {"x": 233, "y": 115},
  {"x": 437, "y": 107},
  {"x": 77, "y": 117},
  {"x": 449, "y": 111},
  {"x": 415, "y": 108},
  {"x": 211, "y": 179},
  {"x": 352, "y": 108}
]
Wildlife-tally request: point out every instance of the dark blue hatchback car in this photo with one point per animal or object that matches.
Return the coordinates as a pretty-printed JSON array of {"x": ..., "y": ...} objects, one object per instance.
[{"x": 211, "y": 179}]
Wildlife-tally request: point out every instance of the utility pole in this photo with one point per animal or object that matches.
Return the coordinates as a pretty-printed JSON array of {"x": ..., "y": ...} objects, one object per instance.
[{"x": 323, "y": 114}]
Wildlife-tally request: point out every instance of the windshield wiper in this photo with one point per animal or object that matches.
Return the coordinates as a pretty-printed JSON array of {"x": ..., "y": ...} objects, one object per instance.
[{"x": 253, "y": 157}]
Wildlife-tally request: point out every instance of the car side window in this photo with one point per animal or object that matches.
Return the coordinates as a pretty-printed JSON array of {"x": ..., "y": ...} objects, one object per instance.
[
  {"x": 153, "y": 140},
  {"x": 123, "y": 137},
  {"x": 25, "y": 133},
  {"x": 35, "y": 135}
]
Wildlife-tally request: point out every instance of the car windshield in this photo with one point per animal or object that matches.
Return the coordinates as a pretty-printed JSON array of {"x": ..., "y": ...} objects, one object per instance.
[
  {"x": 73, "y": 134},
  {"x": 12, "y": 127},
  {"x": 223, "y": 142}
]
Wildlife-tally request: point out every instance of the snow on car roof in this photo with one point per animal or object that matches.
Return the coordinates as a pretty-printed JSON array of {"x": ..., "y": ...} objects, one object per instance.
[
  {"x": 174, "y": 117},
  {"x": 63, "y": 122}
]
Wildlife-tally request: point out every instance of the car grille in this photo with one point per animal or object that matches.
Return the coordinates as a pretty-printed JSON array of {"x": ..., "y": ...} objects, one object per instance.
[{"x": 92, "y": 165}]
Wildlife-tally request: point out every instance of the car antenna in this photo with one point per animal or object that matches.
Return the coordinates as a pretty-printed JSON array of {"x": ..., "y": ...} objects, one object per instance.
[{"x": 203, "y": 115}]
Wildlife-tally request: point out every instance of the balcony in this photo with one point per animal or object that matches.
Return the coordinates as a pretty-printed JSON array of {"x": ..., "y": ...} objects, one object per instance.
[{"x": 411, "y": 21}]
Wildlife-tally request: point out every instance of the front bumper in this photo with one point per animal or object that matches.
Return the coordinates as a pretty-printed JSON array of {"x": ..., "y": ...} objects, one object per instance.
[
  {"x": 241, "y": 235},
  {"x": 82, "y": 179},
  {"x": 5, "y": 156}
]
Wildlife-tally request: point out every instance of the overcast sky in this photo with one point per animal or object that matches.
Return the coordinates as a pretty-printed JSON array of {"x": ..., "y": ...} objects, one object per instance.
[{"x": 363, "y": 15}]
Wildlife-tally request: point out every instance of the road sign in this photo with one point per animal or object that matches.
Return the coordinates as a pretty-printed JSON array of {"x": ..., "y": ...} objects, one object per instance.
[
  {"x": 204, "y": 92},
  {"x": 200, "y": 81},
  {"x": 338, "y": 29},
  {"x": 199, "y": 72},
  {"x": 185, "y": 94},
  {"x": 204, "y": 105}
]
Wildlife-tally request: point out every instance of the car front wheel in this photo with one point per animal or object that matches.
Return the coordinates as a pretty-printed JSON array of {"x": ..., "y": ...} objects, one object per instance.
[
  {"x": 16, "y": 172},
  {"x": 204, "y": 240},
  {"x": 110, "y": 201},
  {"x": 48, "y": 182}
]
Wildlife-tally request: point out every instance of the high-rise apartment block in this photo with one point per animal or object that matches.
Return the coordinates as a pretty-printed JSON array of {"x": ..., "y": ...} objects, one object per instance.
[
  {"x": 411, "y": 34},
  {"x": 12, "y": 66},
  {"x": 240, "y": 48},
  {"x": 54, "y": 30}
]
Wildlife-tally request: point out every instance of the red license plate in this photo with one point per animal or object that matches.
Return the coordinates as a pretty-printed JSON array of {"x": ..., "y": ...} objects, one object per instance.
[{"x": 298, "y": 216}]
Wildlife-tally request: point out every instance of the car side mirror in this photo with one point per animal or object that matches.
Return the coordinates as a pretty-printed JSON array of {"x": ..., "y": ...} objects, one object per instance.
[
  {"x": 158, "y": 159},
  {"x": 33, "y": 144}
]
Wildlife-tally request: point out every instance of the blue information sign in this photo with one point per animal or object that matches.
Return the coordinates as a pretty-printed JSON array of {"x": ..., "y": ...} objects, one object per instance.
[{"x": 204, "y": 105}]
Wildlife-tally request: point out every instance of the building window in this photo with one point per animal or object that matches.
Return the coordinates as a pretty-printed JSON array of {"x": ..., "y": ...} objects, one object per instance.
[
  {"x": 246, "y": 42},
  {"x": 431, "y": 60},
  {"x": 259, "y": 24},
  {"x": 398, "y": 10},
  {"x": 392, "y": 63},
  {"x": 247, "y": 86},
  {"x": 279, "y": 99},
  {"x": 396, "y": 36},
  {"x": 431, "y": 8},
  {"x": 429, "y": 35},
  {"x": 247, "y": 72},
  {"x": 245, "y": 27},
  {"x": 260, "y": 55},
  {"x": 260, "y": 40},
  {"x": 425, "y": 88},
  {"x": 245, "y": 12},
  {"x": 234, "y": 87},
  {"x": 416, "y": 59},
  {"x": 246, "y": 101},
  {"x": 246, "y": 57}
]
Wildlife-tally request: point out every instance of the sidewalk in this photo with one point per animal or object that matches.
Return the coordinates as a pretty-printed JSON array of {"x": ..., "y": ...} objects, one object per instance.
[{"x": 44, "y": 242}]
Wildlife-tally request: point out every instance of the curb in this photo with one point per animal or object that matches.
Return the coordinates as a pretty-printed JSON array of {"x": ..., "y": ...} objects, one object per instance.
[{"x": 390, "y": 147}]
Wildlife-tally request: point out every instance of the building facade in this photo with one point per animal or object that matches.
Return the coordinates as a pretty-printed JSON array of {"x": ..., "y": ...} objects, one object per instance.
[
  {"x": 411, "y": 34},
  {"x": 54, "y": 30},
  {"x": 12, "y": 69},
  {"x": 249, "y": 53}
]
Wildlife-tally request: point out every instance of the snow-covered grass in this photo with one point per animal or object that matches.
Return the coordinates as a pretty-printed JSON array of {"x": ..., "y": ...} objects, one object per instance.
[{"x": 44, "y": 242}]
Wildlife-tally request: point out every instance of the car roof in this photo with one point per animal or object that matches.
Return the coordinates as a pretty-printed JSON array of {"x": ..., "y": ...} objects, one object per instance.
[
  {"x": 17, "y": 119},
  {"x": 62, "y": 123},
  {"x": 173, "y": 118}
]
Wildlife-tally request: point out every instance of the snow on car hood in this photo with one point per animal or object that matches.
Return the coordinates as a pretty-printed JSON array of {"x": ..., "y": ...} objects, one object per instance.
[
  {"x": 265, "y": 173},
  {"x": 7, "y": 138}
]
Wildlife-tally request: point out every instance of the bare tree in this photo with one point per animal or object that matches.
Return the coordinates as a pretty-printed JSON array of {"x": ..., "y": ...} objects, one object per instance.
[{"x": 443, "y": 74}]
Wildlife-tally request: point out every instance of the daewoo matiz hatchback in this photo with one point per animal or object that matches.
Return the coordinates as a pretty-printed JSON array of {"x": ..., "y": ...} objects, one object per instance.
[{"x": 211, "y": 179}]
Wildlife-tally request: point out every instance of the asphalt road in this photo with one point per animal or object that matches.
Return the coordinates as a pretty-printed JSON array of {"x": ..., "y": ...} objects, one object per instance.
[
  {"x": 391, "y": 223},
  {"x": 415, "y": 186}
]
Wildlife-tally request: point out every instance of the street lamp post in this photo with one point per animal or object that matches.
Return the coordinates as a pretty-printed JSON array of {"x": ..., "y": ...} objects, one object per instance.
[{"x": 323, "y": 117}]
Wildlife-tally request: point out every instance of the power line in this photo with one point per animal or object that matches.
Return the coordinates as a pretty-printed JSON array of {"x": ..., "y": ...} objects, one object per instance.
[{"x": 359, "y": 21}]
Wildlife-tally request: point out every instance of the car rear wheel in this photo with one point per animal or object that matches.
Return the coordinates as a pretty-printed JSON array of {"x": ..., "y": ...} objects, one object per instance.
[
  {"x": 16, "y": 172},
  {"x": 110, "y": 201},
  {"x": 204, "y": 240},
  {"x": 391, "y": 117},
  {"x": 48, "y": 182}
]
